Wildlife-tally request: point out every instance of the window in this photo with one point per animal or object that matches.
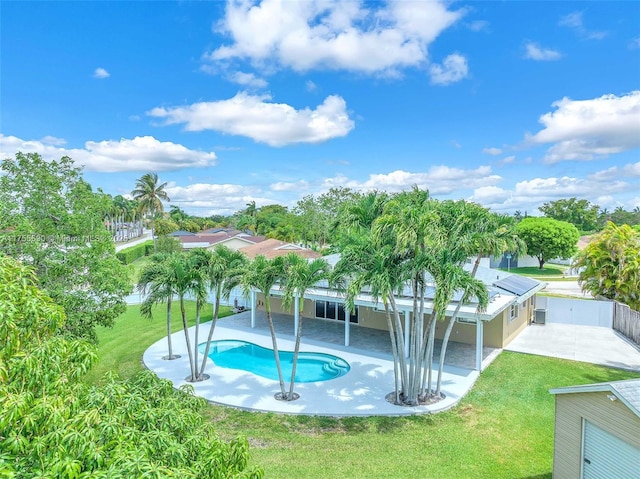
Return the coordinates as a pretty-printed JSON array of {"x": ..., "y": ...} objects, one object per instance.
[
  {"x": 335, "y": 311},
  {"x": 514, "y": 312}
]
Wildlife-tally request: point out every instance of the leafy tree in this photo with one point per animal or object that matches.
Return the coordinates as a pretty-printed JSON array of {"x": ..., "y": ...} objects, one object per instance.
[
  {"x": 168, "y": 244},
  {"x": 580, "y": 213},
  {"x": 164, "y": 226},
  {"x": 300, "y": 275},
  {"x": 610, "y": 265},
  {"x": 52, "y": 220},
  {"x": 150, "y": 196},
  {"x": 54, "y": 425},
  {"x": 190, "y": 225},
  {"x": 547, "y": 238}
]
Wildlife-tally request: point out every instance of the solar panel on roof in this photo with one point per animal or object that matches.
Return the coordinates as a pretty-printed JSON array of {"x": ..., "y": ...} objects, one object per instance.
[{"x": 515, "y": 284}]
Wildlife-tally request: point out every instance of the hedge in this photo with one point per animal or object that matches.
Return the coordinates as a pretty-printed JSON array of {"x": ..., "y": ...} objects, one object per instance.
[{"x": 129, "y": 255}]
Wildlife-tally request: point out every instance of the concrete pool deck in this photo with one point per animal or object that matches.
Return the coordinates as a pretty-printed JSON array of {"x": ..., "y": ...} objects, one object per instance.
[{"x": 361, "y": 392}]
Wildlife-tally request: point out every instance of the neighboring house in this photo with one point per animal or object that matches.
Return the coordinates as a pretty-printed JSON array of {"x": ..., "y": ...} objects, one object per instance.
[
  {"x": 597, "y": 431},
  {"x": 232, "y": 239},
  {"x": 272, "y": 248},
  {"x": 510, "y": 309}
]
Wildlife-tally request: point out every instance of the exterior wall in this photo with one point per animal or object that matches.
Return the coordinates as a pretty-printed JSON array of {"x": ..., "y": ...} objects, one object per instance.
[
  {"x": 233, "y": 244},
  {"x": 511, "y": 328},
  {"x": 461, "y": 332},
  {"x": 612, "y": 416},
  {"x": 370, "y": 318}
]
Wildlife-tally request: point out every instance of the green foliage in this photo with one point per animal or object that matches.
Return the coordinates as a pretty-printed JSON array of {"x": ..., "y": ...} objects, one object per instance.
[
  {"x": 580, "y": 213},
  {"x": 129, "y": 255},
  {"x": 547, "y": 238},
  {"x": 168, "y": 244},
  {"x": 53, "y": 221},
  {"x": 610, "y": 265},
  {"x": 53, "y": 425},
  {"x": 164, "y": 226}
]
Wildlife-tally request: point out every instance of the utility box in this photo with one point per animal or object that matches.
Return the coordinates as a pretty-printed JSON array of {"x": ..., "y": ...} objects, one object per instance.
[{"x": 540, "y": 316}]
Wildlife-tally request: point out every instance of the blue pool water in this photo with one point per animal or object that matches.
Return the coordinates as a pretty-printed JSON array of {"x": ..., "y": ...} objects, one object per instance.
[{"x": 311, "y": 367}]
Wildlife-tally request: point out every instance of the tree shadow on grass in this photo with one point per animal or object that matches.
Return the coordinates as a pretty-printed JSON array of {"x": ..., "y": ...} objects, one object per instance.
[{"x": 548, "y": 475}]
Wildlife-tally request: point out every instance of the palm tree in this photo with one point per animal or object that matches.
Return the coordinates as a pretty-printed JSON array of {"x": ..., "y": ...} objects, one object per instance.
[
  {"x": 224, "y": 272},
  {"x": 300, "y": 275},
  {"x": 156, "y": 280},
  {"x": 199, "y": 260},
  {"x": 262, "y": 274},
  {"x": 186, "y": 280},
  {"x": 150, "y": 196}
]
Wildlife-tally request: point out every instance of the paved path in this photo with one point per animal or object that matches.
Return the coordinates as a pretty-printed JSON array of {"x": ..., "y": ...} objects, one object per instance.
[
  {"x": 568, "y": 288},
  {"x": 146, "y": 236},
  {"x": 361, "y": 392},
  {"x": 591, "y": 344}
]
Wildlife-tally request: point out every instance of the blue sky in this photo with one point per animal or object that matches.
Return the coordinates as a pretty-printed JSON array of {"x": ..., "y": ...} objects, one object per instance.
[{"x": 509, "y": 104}]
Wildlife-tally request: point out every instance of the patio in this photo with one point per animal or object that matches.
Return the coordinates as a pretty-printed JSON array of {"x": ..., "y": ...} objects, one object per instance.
[{"x": 361, "y": 392}]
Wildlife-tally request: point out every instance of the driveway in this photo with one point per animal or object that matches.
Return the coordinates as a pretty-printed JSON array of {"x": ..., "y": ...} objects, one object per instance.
[{"x": 591, "y": 344}]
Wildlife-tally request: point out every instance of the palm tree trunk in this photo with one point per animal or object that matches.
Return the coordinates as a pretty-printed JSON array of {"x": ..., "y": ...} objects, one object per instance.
[
  {"x": 214, "y": 320},
  {"x": 195, "y": 346},
  {"x": 402, "y": 357},
  {"x": 185, "y": 328},
  {"x": 274, "y": 341},
  {"x": 394, "y": 352},
  {"x": 443, "y": 351},
  {"x": 296, "y": 350},
  {"x": 169, "y": 329}
]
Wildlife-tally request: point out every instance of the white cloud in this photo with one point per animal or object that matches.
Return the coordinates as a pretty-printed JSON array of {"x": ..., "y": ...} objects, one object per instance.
[
  {"x": 634, "y": 43},
  {"x": 492, "y": 151},
  {"x": 247, "y": 79},
  {"x": 438, "y": 180},
  {"x": 535, "y": 52},
  {"x": 454, "y": 68},
  {"x": 378, "y": 38},
  {"x": 508, "y": 159},
  {"x": 52, "y": 140},
  {"x": 208, "y": 198},
  {"x": 589, "y": 129},
  {"x": 142, "y": 153},
  {"x": 275, "y": 124},
  {"x": 301, "y": 185},
  {"x": 101, "y": 73},
  {"x": 478, "y": 26},
  {"x": 575, "y": 22},
  {"x": 310, "y": 86}
]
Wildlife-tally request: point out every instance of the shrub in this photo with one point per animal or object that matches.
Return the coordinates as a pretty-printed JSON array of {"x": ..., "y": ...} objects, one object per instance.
[{"x": 129, "y": 255}]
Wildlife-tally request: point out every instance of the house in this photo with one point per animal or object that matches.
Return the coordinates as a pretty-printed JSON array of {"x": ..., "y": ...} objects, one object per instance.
[
  {"x": 597, "y": 431},
  {"x": 510, "y": 310},
  {"x": 232, "y": 239},
  {"x": 272, "y": 248}
]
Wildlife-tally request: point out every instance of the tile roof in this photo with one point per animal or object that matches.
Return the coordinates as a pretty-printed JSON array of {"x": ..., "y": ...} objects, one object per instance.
[{"x": 271, "y": 248}]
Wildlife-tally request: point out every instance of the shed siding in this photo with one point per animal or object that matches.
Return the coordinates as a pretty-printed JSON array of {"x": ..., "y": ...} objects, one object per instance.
[{"x": 612, "y": 416}]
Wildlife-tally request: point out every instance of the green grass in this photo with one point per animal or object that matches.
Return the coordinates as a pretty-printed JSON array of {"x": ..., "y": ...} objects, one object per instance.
[
  {"x": 136, "y": 267},
  {"x": 120, "y": 348},
  {"x": 550, "y": 272},
  {"x": 502, "y": 429}
]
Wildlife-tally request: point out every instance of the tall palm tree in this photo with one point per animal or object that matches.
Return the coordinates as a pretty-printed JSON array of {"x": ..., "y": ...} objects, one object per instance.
[
  {"x": 300, "y": 275},
  {"x": 156, "y": 280},
  {"x": 262, "y": 274},
  {"x": 150, "y": 196},
  {"x": 224, "y": 272},
  {"x": 199, "y": 260},
  {"x": 186, "y": 281}
]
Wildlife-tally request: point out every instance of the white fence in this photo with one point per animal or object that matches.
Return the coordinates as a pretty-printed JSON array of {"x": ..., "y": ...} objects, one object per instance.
[
  {"x": 236, "y": 298},
  {"x": 576, "y": 311}
]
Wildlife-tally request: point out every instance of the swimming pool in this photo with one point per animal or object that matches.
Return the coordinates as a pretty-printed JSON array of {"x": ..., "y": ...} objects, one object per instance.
[{"x": 311, "y": 367}]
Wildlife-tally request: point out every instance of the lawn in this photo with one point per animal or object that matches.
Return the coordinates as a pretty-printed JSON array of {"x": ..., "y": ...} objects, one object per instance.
[
  {"x": 121, "y": 347},
  {"x": 502, "y": 429}
]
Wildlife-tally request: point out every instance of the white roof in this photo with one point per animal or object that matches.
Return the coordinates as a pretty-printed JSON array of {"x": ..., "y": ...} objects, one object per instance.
[{"x": 627, "y": 391}]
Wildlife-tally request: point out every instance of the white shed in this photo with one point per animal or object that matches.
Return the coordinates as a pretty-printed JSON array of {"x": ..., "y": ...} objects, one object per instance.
[{"x": 597, "y": 431}]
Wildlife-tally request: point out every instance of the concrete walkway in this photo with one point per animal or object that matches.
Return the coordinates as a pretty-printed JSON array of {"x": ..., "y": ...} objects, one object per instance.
[
  {"x": 591, "y": 344},
  {"x": 361, "y": 392}
]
